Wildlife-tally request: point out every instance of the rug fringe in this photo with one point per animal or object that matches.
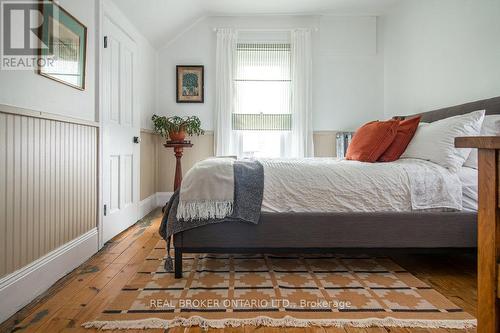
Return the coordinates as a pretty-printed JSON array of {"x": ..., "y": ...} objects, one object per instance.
[{"x": 281, "y": 322}]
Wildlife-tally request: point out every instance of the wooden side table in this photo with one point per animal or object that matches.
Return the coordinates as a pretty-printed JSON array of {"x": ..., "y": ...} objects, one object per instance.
[
  {"x": 488, "y": 233},
  {"x": 178, "y": 150}
]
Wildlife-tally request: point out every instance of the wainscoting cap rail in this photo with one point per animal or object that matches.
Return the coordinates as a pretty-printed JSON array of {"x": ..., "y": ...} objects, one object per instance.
[
  {"x": 269, "y": 30},
  {"x": 10, "y": 109}
]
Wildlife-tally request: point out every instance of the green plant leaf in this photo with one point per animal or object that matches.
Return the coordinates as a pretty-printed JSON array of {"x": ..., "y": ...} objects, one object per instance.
[{"x": 163, "y": 125}]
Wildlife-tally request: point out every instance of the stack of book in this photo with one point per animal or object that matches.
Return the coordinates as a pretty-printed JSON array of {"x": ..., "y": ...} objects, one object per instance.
[{"x": 343, "y": 140}]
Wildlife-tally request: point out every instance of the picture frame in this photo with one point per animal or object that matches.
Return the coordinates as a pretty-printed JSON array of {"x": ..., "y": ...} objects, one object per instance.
[
  {"x": 190, "y": 84},
  {"x": 64, "y": 46}
]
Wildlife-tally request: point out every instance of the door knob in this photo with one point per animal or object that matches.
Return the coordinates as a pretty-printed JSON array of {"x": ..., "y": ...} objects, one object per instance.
[{"x": 137, "y": 139}]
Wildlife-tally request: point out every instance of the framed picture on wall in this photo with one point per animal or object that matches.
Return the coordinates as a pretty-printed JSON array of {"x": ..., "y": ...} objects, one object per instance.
[
  {"x": 64, "y": 46},
  {"x": 190, "y": 84}
]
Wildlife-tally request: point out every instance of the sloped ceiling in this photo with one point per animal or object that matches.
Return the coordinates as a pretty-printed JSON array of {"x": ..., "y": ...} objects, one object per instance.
[{"x": 162, "y": 20}]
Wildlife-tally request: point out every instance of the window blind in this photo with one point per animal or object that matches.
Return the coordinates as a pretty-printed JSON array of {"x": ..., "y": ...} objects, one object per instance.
[{"x": 262, "y": 87}]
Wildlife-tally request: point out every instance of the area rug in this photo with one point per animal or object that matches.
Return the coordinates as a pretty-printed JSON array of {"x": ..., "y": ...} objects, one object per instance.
[{"x": 278, "y": 290}]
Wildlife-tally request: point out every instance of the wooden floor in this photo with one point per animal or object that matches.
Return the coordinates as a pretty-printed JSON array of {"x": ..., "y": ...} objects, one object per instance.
[{"x": 81, "y": 295}]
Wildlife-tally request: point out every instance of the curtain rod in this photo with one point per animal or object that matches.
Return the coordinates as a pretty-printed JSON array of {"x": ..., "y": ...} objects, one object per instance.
[{"x": 271, "y": 29}]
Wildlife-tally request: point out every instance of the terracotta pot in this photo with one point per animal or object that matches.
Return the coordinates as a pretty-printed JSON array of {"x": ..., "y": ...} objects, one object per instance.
[{"x": 177, "y": 136}]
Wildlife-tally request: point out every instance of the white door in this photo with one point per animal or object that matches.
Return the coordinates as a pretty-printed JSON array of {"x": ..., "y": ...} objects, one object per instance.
[{"x": 120, "y": 126}]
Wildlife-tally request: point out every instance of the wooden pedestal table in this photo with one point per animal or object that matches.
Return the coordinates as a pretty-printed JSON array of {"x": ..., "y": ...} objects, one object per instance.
[
  {"x": 178, "y": 150},
  {"x": 488, "y": 234}
]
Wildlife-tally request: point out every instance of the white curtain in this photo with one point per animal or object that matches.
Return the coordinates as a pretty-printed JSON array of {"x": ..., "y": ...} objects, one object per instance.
[
  {"x": 226, "y": 140},
  {"x": 302, "y": 133}
]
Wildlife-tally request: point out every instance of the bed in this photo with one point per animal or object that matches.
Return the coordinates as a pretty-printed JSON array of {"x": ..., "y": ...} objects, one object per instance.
[{"x": 328, "y": 232}]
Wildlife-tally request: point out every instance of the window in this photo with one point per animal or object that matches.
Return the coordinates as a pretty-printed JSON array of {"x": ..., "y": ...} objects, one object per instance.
[{"x": 262, "y": 92}]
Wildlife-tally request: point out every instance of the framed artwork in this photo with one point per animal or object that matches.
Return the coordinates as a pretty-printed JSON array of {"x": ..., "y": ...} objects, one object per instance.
[
  {"x": 190, "y": 84},
  {"x": 64, "y": 46}
]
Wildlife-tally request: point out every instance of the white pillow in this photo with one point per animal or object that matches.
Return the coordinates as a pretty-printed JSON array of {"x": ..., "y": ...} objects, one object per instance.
[
  {"x": 491, "y": 127},
  {"x": 435, "y": 141}
]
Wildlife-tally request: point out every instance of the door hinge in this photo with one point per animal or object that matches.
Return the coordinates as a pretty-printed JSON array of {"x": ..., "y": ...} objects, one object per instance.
[
  {"x": 105, "y": 210},
  {"x": 105, "y": 42}
]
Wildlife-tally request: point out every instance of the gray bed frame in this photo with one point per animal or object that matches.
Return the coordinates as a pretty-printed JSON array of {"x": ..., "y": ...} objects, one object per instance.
[{"x": 327, "y": 232}]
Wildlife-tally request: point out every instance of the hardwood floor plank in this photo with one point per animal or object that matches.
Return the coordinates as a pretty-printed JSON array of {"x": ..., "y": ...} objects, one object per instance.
[
  {"x": 355, "y": 330},
  {"x": 334, "y": 330},
  {"x": 455, "y": 279},
  {"x": 80, "y": 280},
  {"x": 194, "y": 329},
  {"x": 176, "y": 330},
  {"x": 61, "y": 305},
  {"x": 98, "y": 303},
  {"x": 106, "y": 295},
  {"x": 295, "y": 330},
  {"x": 241, "y": 329},
  {"x": 279, "y": 330},
  {"x": 215, "y": 330},
  {"x": 83, "y": 297},
  {"x": 314, "y": 329},
  {"x": 249, "y": 329},
  {"x": 39, "y": 308},
  {"x": 396, "y": 330},
  {"x": 59, "y": 322}
]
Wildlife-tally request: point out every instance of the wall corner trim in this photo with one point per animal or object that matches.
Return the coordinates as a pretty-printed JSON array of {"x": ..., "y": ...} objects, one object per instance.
[
  {"x": 155, "y": 200},
  {"x": 162, "y": 198},
  {"x": 147, "y": 205},
  {"x": 24, "y": 285}
]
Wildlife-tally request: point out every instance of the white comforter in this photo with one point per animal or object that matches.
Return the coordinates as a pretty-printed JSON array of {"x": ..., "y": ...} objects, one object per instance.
[{"x": 329, "y": 185}]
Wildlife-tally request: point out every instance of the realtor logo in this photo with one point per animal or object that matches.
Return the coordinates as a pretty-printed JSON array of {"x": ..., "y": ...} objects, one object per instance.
[{"x": 20, "y": 39}]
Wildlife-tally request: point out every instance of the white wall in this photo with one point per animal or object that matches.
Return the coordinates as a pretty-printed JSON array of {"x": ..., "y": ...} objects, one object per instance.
[
  {"x": 348, "y": 73},
  {"x": 29, "y": 90},
  {"x": 348, "y": 70},
  {"x": 440, "y": 53},
  {"x": 148, "y": 83}
]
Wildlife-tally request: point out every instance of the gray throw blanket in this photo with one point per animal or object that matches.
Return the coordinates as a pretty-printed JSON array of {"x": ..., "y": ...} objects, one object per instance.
[{"x": 248, "y": 194}]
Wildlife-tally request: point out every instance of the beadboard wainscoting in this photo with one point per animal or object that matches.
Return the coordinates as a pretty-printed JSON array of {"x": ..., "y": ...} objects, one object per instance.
[
  {"x": 48, "y": 200},
  {"x": 158, "y": 162}
]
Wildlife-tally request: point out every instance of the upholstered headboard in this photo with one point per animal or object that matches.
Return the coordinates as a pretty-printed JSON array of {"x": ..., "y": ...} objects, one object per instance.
[{"x": 491, "y": 105}]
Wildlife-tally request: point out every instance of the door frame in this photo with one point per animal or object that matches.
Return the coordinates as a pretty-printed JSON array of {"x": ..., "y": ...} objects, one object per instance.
[{"x": 106, "y": 9}]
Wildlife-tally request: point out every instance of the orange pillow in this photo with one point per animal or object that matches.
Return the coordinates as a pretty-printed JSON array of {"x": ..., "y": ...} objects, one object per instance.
[
  {"x": 371, "y": 140},
  {"x": 405, "y": 133}
]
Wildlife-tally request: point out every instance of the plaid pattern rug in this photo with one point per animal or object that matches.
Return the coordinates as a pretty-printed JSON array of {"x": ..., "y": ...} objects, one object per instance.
[{"x": 278, "y": 290}]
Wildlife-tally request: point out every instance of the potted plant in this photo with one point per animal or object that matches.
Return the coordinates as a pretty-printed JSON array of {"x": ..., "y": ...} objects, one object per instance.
[{"x": 176, "y": 128}]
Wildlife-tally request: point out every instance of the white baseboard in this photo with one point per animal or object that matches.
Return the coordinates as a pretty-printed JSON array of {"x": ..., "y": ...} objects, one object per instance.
[
  {"x": 22, "y": 286},
  {"x": 159, "y": 199},
  {"x": 162, "y": 198},
  {"x": 147, "y": 205}
]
